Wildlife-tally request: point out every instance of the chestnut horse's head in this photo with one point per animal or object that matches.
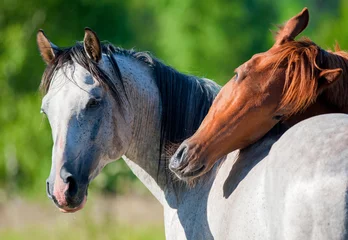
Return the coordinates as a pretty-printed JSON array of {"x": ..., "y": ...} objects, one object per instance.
[{"x": 270, "y": 87}]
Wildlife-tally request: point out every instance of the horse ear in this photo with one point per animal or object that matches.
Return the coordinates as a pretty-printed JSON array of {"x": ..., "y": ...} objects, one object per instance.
[
  {"x": 293, "y": 27},
  {"x": 327, "y": 77},
  {"x": 47, "y": 49},
  {"x": 92, "y": 45}
]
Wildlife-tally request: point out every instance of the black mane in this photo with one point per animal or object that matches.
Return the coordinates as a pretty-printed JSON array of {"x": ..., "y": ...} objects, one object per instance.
[{"x": 185, "y": 100}]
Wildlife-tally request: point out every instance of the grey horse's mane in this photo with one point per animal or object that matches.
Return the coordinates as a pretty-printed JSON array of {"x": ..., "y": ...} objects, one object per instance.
[{"x": 185, "y": 99}]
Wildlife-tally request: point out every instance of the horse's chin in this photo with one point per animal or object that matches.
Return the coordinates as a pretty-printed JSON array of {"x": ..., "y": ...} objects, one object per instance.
[
  {"x": 75, "y": 209},
  {"x": 191, "y": 179}
]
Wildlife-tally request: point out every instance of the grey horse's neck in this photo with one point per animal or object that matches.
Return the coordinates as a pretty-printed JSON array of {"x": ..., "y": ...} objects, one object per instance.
[{"x": 146, "y": 101}]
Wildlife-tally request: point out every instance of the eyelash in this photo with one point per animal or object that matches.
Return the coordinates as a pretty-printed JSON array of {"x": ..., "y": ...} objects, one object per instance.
[
  {"x": 278, "y": 117},
  {"x": 93, "y": 103}
]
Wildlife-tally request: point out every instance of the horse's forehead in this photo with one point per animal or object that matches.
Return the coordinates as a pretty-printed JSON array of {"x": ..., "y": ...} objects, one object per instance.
[
  {"x": 83, "y": 75},
  {"x": 72, "y": 81},
  {"x": 80, "y": 74},
  {"x": 257, "y": 63},
  {"x": 259, "y": 59},
  {"x": 73, "y": 73}
]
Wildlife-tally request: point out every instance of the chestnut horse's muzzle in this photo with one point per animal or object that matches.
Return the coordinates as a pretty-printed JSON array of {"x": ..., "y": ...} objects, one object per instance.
[{"x": 182, "y": 165}]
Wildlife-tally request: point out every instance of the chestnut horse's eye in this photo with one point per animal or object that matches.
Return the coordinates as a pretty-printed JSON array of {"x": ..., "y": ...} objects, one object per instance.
[
  {"x": 278, "y": 117},
  {"x": 93, "y": 103},
  {"x": 236, "y": 76}
]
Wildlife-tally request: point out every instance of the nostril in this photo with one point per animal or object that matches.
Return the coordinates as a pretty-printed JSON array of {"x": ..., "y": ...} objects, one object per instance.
[
  {"x": 181, "y": 152},
  {"x": 176, "y": 162},
  {"x": 73, "y": 188},
  {"x": 48, "y": 191}
]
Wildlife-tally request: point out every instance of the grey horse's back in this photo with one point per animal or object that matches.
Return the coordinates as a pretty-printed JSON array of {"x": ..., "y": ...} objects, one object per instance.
[{"x": 307, "y": 180}]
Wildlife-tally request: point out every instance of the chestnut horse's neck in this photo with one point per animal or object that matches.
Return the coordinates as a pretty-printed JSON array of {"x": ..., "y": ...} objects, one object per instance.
[
  {"x": 334, "y": 99},
  {"x": 321, "y": 106}
]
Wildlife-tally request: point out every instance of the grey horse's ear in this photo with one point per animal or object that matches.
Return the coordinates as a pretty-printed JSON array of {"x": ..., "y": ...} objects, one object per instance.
[
  {"x": 47, "y": 49},
  {"x": 92, "y": 45}
]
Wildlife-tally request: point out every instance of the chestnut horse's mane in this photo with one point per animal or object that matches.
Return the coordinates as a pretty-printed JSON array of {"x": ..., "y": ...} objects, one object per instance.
[{"x": 304, "y": 61}]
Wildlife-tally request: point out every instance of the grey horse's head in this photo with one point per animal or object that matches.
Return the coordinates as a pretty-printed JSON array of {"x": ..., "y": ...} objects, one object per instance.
[{"x": 86, "y": 106}]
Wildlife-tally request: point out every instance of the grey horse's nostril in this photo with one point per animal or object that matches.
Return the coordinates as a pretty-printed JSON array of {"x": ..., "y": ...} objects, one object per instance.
[
  {"x": 48, "y": 191},
  {"x": 68, "y": 178},
  {"x": 73, "y": 187},
  {"x": 65, "y": 174}
]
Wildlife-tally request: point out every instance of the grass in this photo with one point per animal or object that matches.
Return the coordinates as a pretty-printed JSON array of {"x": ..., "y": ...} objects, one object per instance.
[
  {"x": 103, "y": 218},
  {"x": 100, "y": 232}
]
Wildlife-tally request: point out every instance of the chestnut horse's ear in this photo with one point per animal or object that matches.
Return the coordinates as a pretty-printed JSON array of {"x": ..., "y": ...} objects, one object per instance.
[
  {"x": 327, "y": 77},
  {"x": 47, "y": 49},
  {"x": 92, "y": 45},
  {"x": 293, "y": 27}
]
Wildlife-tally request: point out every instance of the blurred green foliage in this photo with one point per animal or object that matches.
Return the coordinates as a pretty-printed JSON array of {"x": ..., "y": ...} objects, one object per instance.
[{"x": 201, "y": 37}]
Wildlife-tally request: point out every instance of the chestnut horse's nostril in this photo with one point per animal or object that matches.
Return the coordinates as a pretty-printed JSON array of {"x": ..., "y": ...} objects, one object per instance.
[
  {"x": 181, "y": 152},
  {"x": 178, "y": 158}
]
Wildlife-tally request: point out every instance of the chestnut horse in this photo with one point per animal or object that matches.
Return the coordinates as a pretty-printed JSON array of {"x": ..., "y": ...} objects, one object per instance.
[{"x": 292, "y": 81}]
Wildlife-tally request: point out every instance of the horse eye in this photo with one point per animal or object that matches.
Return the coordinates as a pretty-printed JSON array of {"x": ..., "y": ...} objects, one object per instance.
[
  {"x": 42, "y": 111},
  {"x": 93, "y": 103},
  {"x": 278, "y": 117},
  {"x": 236, "y": 76}
]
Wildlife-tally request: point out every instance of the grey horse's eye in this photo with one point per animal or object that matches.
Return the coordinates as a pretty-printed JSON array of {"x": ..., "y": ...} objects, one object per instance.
[
  {"x": 93, "y": 103},
  {"x": 42, "y": 111}
]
